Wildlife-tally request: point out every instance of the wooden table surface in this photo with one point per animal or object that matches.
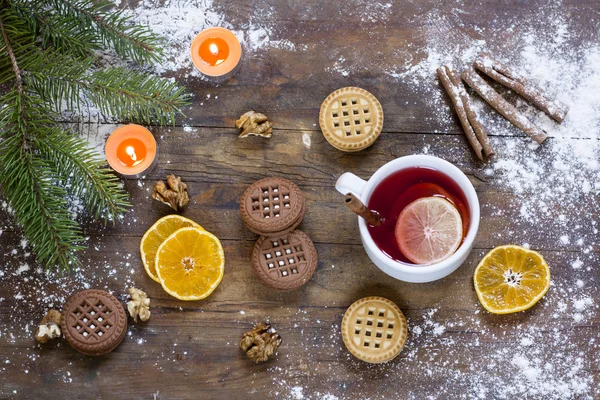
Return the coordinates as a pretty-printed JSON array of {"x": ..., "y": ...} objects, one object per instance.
[{"x": 189, "y": 350}]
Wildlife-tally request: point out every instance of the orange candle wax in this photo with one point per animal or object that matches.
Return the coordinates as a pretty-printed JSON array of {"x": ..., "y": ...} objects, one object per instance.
[
  {"x": 216, "y": 53},
  {"x": 131, "y": 151}
]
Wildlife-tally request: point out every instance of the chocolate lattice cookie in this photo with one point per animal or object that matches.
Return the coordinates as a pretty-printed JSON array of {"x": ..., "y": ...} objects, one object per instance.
[
  {"x": 284, "y": 262},
  {"x": 94, "y": 322},
  {"x": 272, "y": 206}
]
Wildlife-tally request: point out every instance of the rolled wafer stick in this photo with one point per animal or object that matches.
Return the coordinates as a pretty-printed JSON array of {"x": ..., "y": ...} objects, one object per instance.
[
  {"x": 469, "y": 120},
  {"x": 503, "y": 74},
  {"x": 357, "y": 206},
  {"x": 498, "y": 102}
]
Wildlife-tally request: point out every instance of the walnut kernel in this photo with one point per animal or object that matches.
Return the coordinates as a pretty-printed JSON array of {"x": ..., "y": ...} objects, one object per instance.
[
  {"x": 139, "y": 305},
  {"x": 173, "y": 193},
  {"x": 49, "y": 327},
  {"x": 253, "y": 123},
  {"x": 261, "y": 342}
]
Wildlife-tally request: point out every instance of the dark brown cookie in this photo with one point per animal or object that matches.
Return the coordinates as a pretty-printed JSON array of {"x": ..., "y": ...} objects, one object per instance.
[
  {"x": 284, "y": 262},
  {"x": 272, "y": 206},
  {"x": 94, "y": 322}
]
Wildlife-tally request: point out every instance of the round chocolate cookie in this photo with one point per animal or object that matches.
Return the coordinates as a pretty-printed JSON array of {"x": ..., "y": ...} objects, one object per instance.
[
  {"x": 284, "y": 262},
  {"x": 272, "y": 206},
  {"x": 94, "y": 322}
]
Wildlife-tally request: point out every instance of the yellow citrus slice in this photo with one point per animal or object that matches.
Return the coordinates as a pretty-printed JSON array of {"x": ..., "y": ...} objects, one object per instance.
[
  {"x": 429, "y": 230},
  {"x": 153, "y": 238},
  {"x": 190, "y": 264},
  {"x": 511, "y": 279}
]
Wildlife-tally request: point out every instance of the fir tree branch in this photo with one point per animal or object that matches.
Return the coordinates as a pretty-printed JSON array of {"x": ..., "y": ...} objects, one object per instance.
[
  {"x": 129, "y": 41},
  {"x": 62, "y": 34},
  {"x": 80, "y": 166},
  {"x": 128, "y": 95},
  {"x": 42, "y": 55},
  {"x": 13, "y": 59},
  {"x": 34, "y": 159},
  {"x": 19, "y": 44},
  {"x": 57, "y": 78},
  {"x": 137, "y": 97},
  {"x": 28, "y": 183}
]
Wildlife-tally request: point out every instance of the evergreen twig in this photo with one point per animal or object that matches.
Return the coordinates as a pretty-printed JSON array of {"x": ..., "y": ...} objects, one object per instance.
[
  {"x": 55, "y": 31},
  {"x": 114, "y": 29},
  {"x": 80, "y": 167},
  {"x": 48, "y": 63},
  {"x": 126, "y": 94}
]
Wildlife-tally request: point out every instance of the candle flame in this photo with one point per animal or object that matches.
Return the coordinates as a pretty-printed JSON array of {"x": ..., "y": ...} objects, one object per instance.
[
  {"x": 214, "y": 49},
  {"x": 131, "y": 152}
]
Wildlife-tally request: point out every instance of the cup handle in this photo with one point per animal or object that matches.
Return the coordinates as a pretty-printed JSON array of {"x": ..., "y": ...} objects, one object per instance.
[{"x": 350, "y": 183}]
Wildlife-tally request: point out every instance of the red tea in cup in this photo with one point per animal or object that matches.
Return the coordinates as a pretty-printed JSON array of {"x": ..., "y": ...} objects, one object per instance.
[{"x": 400, "y": 189}]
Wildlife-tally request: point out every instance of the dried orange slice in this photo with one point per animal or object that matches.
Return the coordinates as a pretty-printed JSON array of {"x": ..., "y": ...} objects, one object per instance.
[
  {"x": 429, "y": 230},
  {"x": 511, "y": 279},
  {"x": 190, "y": 264},
  {"x": 153, "y": 238}
]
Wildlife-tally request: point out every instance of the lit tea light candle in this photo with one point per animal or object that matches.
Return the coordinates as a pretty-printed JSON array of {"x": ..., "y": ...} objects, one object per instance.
[
  {"x": 216, "y": 53},
  {"x": 131, "y": 151}
]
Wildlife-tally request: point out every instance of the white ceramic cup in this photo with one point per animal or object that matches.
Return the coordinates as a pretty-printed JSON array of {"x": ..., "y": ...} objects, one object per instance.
[{"x": 350, "y": 183}]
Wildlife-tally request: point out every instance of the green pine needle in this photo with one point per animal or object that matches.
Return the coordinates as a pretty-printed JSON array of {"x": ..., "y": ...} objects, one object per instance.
[
  {"x": 81, "y": 168},
  {"x": 126, "y": 94},
  {"x": 112, "y": 28},
  {"x": 55, "y": 31},
  {"x": 48, "y": 63},
  {"x": 135, "y": 96},
  {"x": 29, "y": 183}
]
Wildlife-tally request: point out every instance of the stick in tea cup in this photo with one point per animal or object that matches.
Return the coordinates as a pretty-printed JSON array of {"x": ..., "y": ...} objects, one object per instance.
[{"x": 355, "y": 205}]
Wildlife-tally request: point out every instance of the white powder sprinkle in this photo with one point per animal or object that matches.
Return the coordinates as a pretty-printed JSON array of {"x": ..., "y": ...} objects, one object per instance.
[
  {"x": 582, "y": 304},
  {"x": 22, "y": 268},
  {"x": 577, "y": 264},
  {"x": 306, "y": 140},
  {"x": 297, "y": 393},
  {"x": 438, "y": 329}
]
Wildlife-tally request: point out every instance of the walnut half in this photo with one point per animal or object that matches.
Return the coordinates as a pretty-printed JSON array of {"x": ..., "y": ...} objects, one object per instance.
[
  {"x": 173, "y": 193},
  {"x": 261, "y": 342},
  {"x": 139, "y": 305},
  {"x": 253, "y": 123},
  {"x": 49, "y": 327}
]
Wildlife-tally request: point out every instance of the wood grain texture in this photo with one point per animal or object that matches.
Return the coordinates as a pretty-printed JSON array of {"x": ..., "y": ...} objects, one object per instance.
[{"x": 189, "y": 350}]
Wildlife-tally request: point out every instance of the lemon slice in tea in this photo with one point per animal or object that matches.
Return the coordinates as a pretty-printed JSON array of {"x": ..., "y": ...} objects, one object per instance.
[{"x": 429, "y": 230}]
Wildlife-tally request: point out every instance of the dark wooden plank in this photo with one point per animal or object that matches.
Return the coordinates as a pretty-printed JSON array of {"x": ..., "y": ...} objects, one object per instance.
[
  {"x": 210, "y": 160},
  {"x": 191, "y": 347},
  {"x": 376, "y": 47},
  {"x": 189, "y": 350}
]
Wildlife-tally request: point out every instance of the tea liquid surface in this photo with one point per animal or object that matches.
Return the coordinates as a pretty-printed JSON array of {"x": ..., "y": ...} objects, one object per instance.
[{"x": 400, "y": 189}]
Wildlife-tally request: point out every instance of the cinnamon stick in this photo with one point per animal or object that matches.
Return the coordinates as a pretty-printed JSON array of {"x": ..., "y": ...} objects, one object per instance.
[
  {"x": 469, "y": 120},
  {"x": 501, "y": 73},
  {"x": 357, "y": 206},
  {"x": 498, "y": 102}
]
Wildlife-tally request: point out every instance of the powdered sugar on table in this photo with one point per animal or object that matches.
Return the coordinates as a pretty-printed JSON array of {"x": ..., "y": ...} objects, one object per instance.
[{"x": 544, "y": 184}]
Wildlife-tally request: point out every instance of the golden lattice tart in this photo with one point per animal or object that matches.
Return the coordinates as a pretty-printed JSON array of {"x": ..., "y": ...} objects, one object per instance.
[
  {"x": 351, "y": 119},
  {"x": 374, "y": 329}
]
